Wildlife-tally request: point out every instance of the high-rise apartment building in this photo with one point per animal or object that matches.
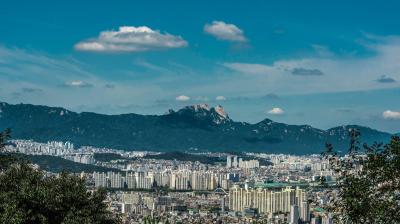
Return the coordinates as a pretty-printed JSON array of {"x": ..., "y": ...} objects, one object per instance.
[
  {"x": 228, "y": 161},
  {"x": 115, "y": 179},
  {"x": 305, "y": 211},
  {"x": 235, "y": 162},
  {"x": 294, "y": 214},
  {"x": 130, "y": 180},
  {"x": 266, "y": 200},
  {"x": 100, "y": 179}
]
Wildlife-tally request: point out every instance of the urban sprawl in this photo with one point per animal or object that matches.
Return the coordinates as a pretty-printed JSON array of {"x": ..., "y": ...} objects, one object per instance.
[{"x": 235, "y": 190}]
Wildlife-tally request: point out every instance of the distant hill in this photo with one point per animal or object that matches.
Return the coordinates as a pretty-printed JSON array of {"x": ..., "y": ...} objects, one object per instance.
[
  {"x": 181, "y": 156},
  {"x": 197, "y": 127},
  {"x": 57, "y": 164}
]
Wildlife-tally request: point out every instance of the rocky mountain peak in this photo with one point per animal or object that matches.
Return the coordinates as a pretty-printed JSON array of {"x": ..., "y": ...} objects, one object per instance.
[
  {"x": 204, "y": 112},
  {"x": 220, "y": 110}
]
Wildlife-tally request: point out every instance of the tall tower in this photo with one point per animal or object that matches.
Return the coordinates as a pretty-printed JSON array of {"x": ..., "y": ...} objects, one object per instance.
[
  {"x": 294, "y": 214},
  {"x": 130, "y": 180},
  {"x": 228, "y": 161},
  {"x": 223, "y": 204},
  {"x": 235, "y": 161},
  {"x": 305, "y": 211}
]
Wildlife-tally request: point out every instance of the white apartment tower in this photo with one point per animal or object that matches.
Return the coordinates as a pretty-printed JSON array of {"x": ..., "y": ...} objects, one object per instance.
[
  {"x": 294, "y": 214},
  {"x": 268, "y": 201},
  {"x": 228, "y": 161}
]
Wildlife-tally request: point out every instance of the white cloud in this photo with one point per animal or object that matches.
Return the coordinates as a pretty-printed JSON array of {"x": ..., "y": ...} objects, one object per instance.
[
  {"x": 131, "y": 39},
  {"x": 337, "y": 73},
  {"x": 391, "y": 115},
  {"x": 78, "y": 84},
  {"x": 225, "y": 31},
  {"x": 150, "y": 66},
  {"x": 220, "y": 98},
  {"x": 322, "y": 51},
  {"x": 34, "y": 66},
  {"x": 276, "y": 111},
  {"x": 182, "y": 98},
  {"x": 54, "y": 75}
]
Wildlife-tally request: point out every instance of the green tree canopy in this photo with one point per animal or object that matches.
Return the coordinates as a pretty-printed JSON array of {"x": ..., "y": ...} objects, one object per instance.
[
  {"x": 27, "y": 195},
  {"x": 368, "y": 184}
]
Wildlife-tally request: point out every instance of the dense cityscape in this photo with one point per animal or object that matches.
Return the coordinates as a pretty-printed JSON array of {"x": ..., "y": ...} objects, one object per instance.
[
  {"x": 268, "y": 188},
  {"x": 199, "y": 112}
]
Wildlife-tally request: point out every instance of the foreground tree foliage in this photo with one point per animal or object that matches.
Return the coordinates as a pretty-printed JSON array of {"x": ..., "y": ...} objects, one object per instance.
[
  {"x": 28, "y": 196},
  {"x": 368, "y": 184}
]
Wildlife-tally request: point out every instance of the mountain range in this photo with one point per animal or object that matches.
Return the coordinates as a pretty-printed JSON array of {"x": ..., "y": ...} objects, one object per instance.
[{"x": 196, "y": 127}]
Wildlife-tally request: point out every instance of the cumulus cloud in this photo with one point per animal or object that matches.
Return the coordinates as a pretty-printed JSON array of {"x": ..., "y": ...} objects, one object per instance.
[
  {"x": 220, "y": 98},
  {"x": 131, "y": 39},
  {"x": 385, "y": 79},
  {"x": 391, "y": 115},
  {"x": 306, "y": 72},
  {"x": 225, "y": 31},
  {"x": 182, "y": 98},
  {"x": 276, "y": 111},
  {"x": 78, "y": 84}
]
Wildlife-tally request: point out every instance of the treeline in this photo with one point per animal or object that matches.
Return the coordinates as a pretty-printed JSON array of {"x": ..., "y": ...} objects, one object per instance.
[{"x": 28, "y": 196}]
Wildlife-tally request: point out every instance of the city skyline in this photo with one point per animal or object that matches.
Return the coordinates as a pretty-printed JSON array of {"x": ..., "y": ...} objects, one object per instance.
[
  {"x": 238, "y": 189},
  {"x": 257, "y": 60},
  {"x": 225, "y": 112}
]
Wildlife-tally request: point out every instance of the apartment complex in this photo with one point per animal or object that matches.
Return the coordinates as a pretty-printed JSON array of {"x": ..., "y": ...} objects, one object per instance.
[{"x": 269, "y": 201}]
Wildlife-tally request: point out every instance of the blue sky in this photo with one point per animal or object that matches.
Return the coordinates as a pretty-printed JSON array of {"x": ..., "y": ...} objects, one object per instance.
[{"x": 299, "y": 62}]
